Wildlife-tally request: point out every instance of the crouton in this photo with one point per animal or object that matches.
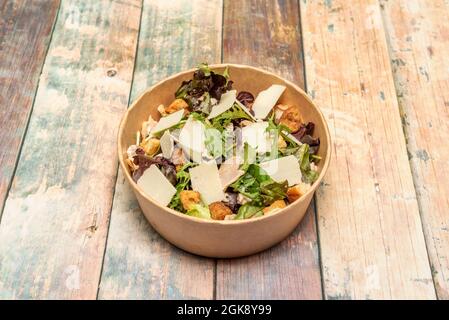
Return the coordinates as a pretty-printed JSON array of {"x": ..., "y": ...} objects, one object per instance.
[
  {"x": 275, "y": 206},
  {"x": 297, "y": 191},
  {"x": 218, "y": 210},
  {"x": 161, "y": 109},
  {"x": 189, "y": 198},
  {"x": 150, "y": 146},
  {"x": 245, "y": 123},
  {"x": 177, "y": 105},
  {"x": 291, "y": 118}
]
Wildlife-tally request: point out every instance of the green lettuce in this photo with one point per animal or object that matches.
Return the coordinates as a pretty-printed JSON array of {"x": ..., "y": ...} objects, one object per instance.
[
  {"x": 199, "y": 211},
  {"x": 247, "y": 211},
  {"x": 221, "y": 121},
  {"x": 303, "y": 156},
  {"x": 257, "y": 185}
]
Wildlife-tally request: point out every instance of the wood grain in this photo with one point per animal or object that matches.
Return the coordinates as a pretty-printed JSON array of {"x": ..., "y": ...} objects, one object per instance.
[
  {"x": 371, "y": 240},
  {"x": 25, "y": 30},
  {"x": 139, "y": 264},
  {"x": 267, "y": 34},
  {"x": 418, "y": 37},
  {"x": 55, "y": 221}
]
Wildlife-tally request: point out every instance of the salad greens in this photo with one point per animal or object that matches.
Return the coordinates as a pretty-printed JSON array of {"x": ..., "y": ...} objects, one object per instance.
[
  {"x": 205, "y": 86},
  {"x": 212, "y": 186},
  {"x": 183, "y": 181},
  {"x": 257, "y": 185}
]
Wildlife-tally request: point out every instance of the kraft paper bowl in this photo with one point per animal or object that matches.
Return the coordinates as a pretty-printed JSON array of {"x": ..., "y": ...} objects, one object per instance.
[{"x": 214, "y": 238}]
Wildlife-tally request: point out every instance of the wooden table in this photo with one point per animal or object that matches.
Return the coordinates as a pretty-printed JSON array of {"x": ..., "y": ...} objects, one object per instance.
[{"x": 379, "y": 224}]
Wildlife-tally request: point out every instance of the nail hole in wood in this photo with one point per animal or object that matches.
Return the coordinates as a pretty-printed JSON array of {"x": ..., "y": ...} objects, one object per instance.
[{"x": 111, "y": 72}]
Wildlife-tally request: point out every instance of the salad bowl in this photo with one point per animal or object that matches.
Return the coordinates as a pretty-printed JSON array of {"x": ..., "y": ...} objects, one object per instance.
[{"x": 222, "y": 238}]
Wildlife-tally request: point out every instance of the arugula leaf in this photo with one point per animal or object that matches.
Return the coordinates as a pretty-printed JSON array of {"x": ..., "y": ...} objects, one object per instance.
[
  {"x": 303, "y": 156},
  {"x": 271, "y": 191},
  {"x": 204, "y": 67},
  {"x": 310, "y": 176},
  {"x": 226, "y": 73},
  {"x": 183, "y": 181},
  {"x": 224, "y": 119},
  {"x": 199, "y": 117},
  {"x": 257, "y": 185},
  {"x": 204, "y": 85}
]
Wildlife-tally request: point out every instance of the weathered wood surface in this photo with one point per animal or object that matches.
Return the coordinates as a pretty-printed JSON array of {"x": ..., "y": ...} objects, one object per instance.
[
  {"x": 418, "y": 38},
  {"x": 55, "y": 220},
  {"x": 139, "y": 264},
  {"x": 21, "y": 23},
  {"x": 371, "y": 240},
  {"x": 267, "y": 34}
]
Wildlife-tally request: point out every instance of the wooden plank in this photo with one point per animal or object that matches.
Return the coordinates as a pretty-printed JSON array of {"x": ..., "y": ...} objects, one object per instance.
[
  {"x": 25, "y": 30},
  {"x": 139, "y": 264},
  {"x": 371, "y": 240},
  {"x": 267, "y": 34},
  {"x": 55, "y": 221},
  {"x": 418, "y": 37}
]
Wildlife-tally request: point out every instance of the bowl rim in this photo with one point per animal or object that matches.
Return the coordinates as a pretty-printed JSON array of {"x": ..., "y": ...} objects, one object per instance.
[{"x": 188, "y": 218}]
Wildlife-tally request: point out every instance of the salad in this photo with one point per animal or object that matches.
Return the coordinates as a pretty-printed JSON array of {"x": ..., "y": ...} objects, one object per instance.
[{"x": 216, "y": 153}]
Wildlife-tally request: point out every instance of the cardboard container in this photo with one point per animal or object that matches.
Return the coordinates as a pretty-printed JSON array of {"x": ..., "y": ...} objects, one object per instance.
[{"x": 214, "y": 238}]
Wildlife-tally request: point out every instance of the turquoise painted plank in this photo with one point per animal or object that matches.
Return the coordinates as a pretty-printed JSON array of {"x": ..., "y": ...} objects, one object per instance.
[
  {"x": 55, "y": 220},
  {"x": 25, "y": 31},
  {"x": 267, "y": 34},
  {"x": 139, "y": 264}
]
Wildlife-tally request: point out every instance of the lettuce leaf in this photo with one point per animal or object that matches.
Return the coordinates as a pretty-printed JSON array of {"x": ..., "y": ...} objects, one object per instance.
[
  {"x": 257, "y": 185},
  {"x": 206, "y": 84},
  {"x": 247, "y": 211},
  {"x": 223, "y": 120},
  {"x": 303, "y": 156},
  {"x": 199, "y": 211},
  {"x": 165, "y": 165}
]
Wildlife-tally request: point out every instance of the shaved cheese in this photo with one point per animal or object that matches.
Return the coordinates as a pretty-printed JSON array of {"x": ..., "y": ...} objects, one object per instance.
[
  {"x": 245, "y": 109},
  {"x": 229, "y": 171},
  {"x": 226, "y": 102},
  {"x": 156, "y": 185},
  {"x": 192, "y": 139},
  {"x": 257, "y": 137},
  {"x": 167, "y": 144},
  {"x": 206, "y": 180},
  {"x": 266, "y": 100},
  {"x": 286, "y": 168},
  {"x": 168, "y": 121}
]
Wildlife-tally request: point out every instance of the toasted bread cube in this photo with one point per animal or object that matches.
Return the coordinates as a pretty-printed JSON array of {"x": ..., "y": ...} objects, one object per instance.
[
  {"x": 291, "y": 118},
  {"x": 161, "y": 109},
  {"x": 275, "y": 206},
  {"x": 189, "y": 198},
  {"x": 150, "y": 146},
  {"x": 218, "y": 210},
  {"x": 177, "y": 105},
  {"x": 297, "y": 191}
]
